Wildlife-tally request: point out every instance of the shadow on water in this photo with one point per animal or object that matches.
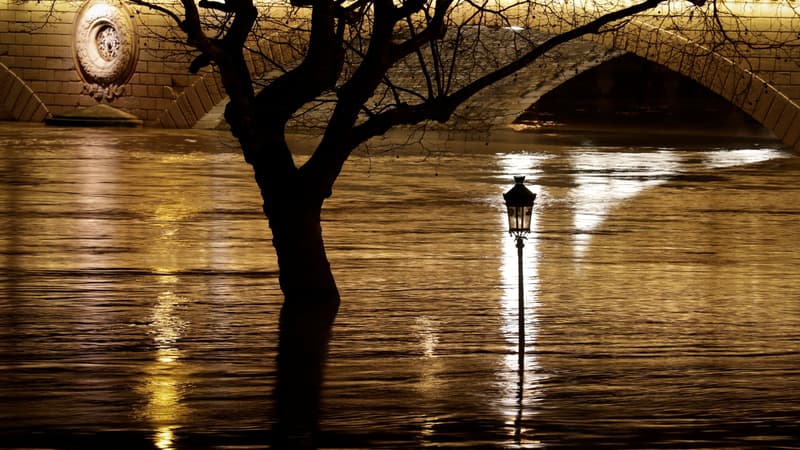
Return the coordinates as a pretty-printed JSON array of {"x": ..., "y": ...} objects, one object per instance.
[{"x": 139, "y": 303}]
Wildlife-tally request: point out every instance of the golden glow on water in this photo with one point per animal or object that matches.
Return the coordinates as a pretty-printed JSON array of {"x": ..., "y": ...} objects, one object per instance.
[
  {"x": 164, "y": 439},
  {"x": 521, "y": 389},
  {"x": 605, "y": 180},
  {"x": 721, "y": 159},
  {"x": 521, "y": 164},
  {"x": 427, "y": 336},
  {"x": 154, "y": 307},
  {"x": 165, "y": 378}
]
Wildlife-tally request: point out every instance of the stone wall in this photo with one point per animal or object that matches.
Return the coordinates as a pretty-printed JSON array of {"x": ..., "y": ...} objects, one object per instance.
[{"x": 36, "y": 44}]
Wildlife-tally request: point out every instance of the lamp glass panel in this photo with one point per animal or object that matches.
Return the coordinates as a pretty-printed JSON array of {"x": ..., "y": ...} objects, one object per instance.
[{"x": 519, "y": 219}]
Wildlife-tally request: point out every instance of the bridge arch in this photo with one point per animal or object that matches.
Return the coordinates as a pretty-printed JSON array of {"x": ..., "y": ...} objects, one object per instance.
[
  {"x": 740, "y": 86},
  {"x": 743, "y": 88},
  {"x": 17, "y": 99},
  {"x": 194, "y": 102}
]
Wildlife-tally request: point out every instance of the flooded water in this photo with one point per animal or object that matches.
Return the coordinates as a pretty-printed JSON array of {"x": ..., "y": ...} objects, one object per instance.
[{"x": 139, "y": 297}]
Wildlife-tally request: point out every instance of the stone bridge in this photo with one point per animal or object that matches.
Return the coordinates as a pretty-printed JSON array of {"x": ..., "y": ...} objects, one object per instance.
[{"x": 54, "y": 61}]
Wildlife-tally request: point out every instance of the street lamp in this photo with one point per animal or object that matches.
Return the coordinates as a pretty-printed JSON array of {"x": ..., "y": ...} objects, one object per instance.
[{"x": 519, "y": 201}]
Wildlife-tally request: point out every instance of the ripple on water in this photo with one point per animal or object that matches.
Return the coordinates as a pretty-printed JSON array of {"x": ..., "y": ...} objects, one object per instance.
[{"x": 139, "y": 298}]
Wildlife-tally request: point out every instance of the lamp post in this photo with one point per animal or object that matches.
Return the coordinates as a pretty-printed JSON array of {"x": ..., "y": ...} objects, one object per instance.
[{"x": 519, "y": 202}]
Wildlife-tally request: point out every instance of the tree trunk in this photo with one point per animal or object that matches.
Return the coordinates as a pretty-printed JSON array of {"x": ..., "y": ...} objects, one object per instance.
[{"x": 311, "y": 301}]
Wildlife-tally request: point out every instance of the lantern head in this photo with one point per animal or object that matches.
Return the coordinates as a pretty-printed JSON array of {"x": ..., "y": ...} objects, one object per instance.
[{"x": 519, "y": 201}]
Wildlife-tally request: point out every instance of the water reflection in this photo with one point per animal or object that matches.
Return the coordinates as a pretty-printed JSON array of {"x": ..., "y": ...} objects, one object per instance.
[
  {"x": 430, "y": 383},
  {"x": 431, "y": 368},
  {"x": 165, "y": 378},
  {"x": 522, "y": 374},
  {"x": 604, "y": 180},
  {"x": 96, "y": 184},
  {"x": 719, "y": 159}
]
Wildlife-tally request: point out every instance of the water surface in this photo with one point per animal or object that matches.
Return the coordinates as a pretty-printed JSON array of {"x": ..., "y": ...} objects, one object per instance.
[{"x": 139, "y": 297}]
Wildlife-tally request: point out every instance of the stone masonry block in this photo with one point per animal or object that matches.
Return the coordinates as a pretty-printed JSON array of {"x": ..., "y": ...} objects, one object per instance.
[
  {"x": 195, "y": 104},
  {"x": 202, "y": 94},
  {"x": 146, "y": 78},
  {"x": 787, "y": 118},
  {"x": 22, "y": 102},
  {"x": 147, "y": 103},
  {"x": 69, "y": 88},
  {"x": 20, "y": 62},
  {"x": 137, "y": 90},
  {"x": 788, "y": 65},
  {"x": 186, "y": 110},
  {"x": 212, "y": 88},
  {"x": 60, "y": 41},
  {"x": 30, "y": 74},
  {"x": 40, "y": 39},
  {"x": 671, "y": 58},
  {"x": 58, "y": 100},
  {"x": 687, "y": 64},
  {"x": 162, "y": 80},
  {"x": 710, "y": 67},
  {"x": 12, "y": 96},
  {"x": 156, "y": 91},
  {"x": 20, "y": 50},
  {"x": 722, "y": 73},
  {"x": 793, "y": 92},
  {"x": 764, "y": 64},
  {"x": 152, "y": 117},
  {"x": 22, "y": 16},
  {"x": 39, "y": 114},
  {"x": 41, "y": 86},
  {"x": 156, "y": 67},
  {"x": 47, "y": 51},
  {"x": 177, "y": 116},
  {"x": 40, "y": 17},
  {"x": 65, "y": 75},
  {"x": 792, "y": 137},
  {"x": 58, "y": 63},
  {"x": 763, "y": 104},
  {"x": 780, "y": 78},
  {"x": 740, "y": 87},
  {"x": 165, "y": 119},
  {"x": 750, "y": 89},
  {"x": 63, "y": 29},
  {"x": 30, "y": 109},
  {"x": 6, "y": 78},
  {"x": 775, "y": 111}
]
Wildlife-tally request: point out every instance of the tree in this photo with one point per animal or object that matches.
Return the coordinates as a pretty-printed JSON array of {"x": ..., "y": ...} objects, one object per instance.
[{"x": 365, "y": 66}]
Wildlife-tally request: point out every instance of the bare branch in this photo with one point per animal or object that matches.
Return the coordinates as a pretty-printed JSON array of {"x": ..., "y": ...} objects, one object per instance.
[{"x": 155, "y": 7}]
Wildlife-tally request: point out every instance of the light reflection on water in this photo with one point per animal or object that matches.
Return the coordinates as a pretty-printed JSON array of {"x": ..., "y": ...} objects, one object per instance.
[
  {"x": 528, "y": 391},
  {"x": 604, "y": 180},
  {"x": 138, "y": 297}
]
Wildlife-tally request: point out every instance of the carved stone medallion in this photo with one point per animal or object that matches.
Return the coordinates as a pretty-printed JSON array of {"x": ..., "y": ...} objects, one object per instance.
[{"x": 106, "y": 48}]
